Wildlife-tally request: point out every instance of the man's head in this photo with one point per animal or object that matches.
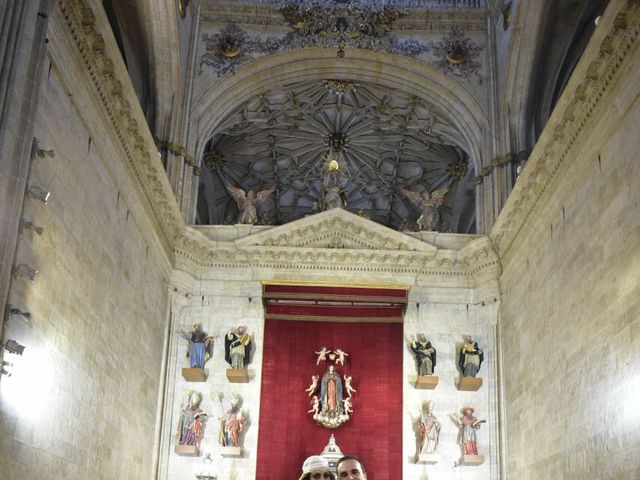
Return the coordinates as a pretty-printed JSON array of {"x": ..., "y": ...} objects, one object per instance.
[{"x": 350, "y": 468}]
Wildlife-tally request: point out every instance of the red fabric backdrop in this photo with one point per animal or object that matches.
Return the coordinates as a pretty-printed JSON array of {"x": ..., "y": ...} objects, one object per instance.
[{"x": 288, "y": 434}]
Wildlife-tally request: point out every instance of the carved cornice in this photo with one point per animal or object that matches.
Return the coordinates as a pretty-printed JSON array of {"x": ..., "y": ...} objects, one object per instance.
[
  {"x": 114, "y": 90},
  {"x": 583, "y": 95},
  {"x": 308, "y": 245}
]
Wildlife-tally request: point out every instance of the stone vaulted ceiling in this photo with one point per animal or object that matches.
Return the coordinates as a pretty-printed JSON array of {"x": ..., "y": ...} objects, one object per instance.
[{"x": 384, "y": 140}]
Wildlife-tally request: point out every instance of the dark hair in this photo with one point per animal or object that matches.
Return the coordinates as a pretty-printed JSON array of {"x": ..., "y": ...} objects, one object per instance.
[{"x": 351, "y": 457}]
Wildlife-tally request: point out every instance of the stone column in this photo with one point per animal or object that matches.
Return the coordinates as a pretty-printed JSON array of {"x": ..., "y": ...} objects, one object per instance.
[{"x": 182, "y": 165}]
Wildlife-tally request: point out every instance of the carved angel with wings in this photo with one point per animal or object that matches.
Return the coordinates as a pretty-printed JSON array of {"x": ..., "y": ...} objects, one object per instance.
[
  {"x": 248, "y": 201},
  {"x": 429, "y": 205}
]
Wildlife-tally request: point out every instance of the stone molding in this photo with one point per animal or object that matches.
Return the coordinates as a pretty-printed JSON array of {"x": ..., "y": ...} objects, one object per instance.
[
  {"x": 597, "y": 71},
  {"x": 113, "y": 86},
  {"x": 310, "y": 244}
]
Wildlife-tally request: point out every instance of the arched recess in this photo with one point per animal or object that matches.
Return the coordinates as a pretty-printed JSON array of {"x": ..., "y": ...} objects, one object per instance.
[{"x": 444, "y": 93}]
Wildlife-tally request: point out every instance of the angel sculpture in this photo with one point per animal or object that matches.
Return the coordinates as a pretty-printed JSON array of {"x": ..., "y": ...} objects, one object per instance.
[
  {"x": 340, "y": 354},
  {"x": 429, "y": 204},
  {"x": 313, "y": 386},
  {"x": 347, "y": 385},
  {"x": 315, "y": 405},
  {"x": 322, "y": 355},
  {"x": 347, "y": 405},
  {"x": 248, "y": 201}
]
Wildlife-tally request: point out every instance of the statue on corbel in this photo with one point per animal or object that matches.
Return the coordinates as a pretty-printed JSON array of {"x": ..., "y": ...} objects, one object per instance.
[
  {"x": 425, "y": 357},
  {"x": 468, "y": 425},
  {"x": 427, "y": 429},
  {"x": 237, "y": 352},
  {"x": 199, "y": 350},
  {"x": 233, "y": 422},
  {"x": 470, "y": 358},
  {"x": 190, "y": 425}
]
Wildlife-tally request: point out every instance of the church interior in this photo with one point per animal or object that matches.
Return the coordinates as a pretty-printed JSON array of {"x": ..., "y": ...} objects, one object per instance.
[{"x": 236, "y": 234}]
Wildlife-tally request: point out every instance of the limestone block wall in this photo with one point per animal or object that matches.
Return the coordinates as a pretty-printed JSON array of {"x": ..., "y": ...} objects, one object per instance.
[
  {"x": 82, "y": 399},
  {"x": 570, "y": 317}
]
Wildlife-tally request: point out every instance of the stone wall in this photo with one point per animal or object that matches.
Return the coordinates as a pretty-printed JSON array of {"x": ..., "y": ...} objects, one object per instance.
[
  {"x": 570, "y": 317},
  {"x": 446, "y": 324},
  {"x": 452, "y": 277},
  {"x": 219, "y": 306},
  {"x": 82, "y": 399}
]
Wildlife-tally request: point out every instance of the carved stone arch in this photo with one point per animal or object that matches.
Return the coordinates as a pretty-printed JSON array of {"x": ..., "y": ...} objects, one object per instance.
[{"x": 463, "y": 110}]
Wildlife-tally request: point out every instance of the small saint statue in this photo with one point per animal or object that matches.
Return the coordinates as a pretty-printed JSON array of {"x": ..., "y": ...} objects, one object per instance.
[
  {"x": 333, "y": 185},
  {"x": 468, "y": 424},
  {"x": 425, "y": 355},
  {"x": 428, "y": 431},
  {"x": 190, "y": 425},
  {"x": 237, "y": 353},
  {"x": 232, "y": 424},
  {"x": 471, "y": 357},
  {"x": 200, "y": 346},
  {"x": 237, "y": 347},
  {"x": 199, "y": 350}
]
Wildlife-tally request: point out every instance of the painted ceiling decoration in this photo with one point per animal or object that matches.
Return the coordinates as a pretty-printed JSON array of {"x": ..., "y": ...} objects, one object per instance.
[
  {"x": 371, "y": 141},
  {"x": 337, "y": 24}
]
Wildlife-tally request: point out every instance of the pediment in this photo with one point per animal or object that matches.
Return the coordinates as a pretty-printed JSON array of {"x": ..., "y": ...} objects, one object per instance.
[{"x": 336, "y": 229}]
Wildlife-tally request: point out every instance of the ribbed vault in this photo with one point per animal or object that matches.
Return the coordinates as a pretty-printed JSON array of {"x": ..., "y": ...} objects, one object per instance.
[{"x": 391, "y": 125}]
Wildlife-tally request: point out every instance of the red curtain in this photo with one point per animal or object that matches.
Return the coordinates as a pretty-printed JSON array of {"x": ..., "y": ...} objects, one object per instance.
[{"x": 288, "y": 434}]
